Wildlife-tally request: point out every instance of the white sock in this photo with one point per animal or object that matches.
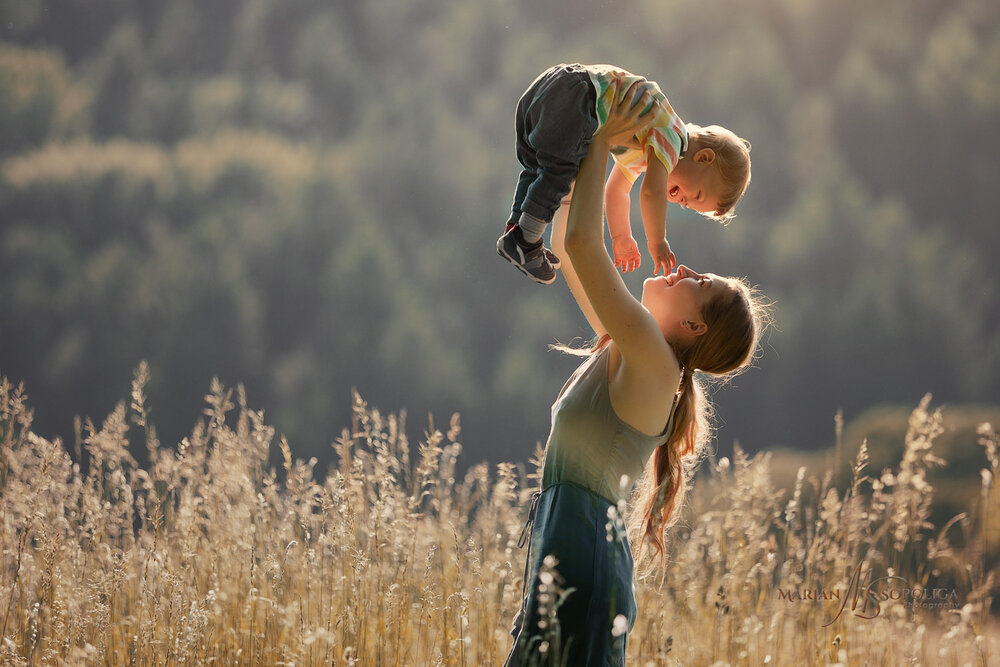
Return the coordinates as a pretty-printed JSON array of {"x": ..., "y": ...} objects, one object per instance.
[{"x": 531, "y": 228}]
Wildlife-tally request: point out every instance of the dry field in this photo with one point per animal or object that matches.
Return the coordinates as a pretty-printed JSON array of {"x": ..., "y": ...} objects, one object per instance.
[{"x": 210, "y": 555}]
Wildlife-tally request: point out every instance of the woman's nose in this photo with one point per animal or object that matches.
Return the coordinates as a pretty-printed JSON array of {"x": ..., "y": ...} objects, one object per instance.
[{"x": 687, "y": 272}]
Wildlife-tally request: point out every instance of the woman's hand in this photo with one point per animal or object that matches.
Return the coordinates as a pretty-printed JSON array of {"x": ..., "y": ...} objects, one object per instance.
[{"x": 626, "y": 117}]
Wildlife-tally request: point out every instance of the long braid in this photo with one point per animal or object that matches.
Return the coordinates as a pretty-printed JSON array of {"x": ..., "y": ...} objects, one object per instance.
[
  {"x": 725, "y": 349},
  {"x": 661, "y": 489}
]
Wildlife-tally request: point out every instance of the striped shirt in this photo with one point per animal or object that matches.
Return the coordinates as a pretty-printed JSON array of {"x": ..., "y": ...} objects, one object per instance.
[{"x": 667, "y": 136}]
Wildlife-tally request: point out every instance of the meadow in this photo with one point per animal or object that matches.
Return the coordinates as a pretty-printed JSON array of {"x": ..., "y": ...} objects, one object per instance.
[{"x": 224, "y": 549}]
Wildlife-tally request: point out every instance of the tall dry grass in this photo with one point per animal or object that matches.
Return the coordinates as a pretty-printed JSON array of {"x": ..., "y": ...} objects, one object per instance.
[{"x": 210, "y": 555}]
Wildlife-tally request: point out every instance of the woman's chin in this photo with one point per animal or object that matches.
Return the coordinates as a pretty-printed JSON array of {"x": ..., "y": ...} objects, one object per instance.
[
  {"x": 645, "y": 286},
  {"x": 655, "y": 280},
  {"x": 650, "y": 286}
]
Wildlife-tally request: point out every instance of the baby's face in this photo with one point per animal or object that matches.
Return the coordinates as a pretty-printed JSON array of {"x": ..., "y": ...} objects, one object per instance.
[{"x": 695, "y": 184}]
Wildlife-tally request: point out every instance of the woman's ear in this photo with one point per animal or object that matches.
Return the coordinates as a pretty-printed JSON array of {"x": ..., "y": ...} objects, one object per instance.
[
  {"x": 694, "y": 328},
  {"x": 706, "y": 155}
]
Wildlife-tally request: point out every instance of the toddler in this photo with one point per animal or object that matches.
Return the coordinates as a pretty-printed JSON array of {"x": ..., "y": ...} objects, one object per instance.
[{"x": 706, "y": 169}]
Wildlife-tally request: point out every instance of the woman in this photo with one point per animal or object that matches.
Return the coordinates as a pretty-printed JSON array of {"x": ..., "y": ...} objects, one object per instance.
[{"x": 633, "y": 400}]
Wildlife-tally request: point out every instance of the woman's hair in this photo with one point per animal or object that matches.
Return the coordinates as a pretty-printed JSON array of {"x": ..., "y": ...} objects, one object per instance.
[
  {"x": 732, "y": 157},
  {"x": 735, "y": 319}
]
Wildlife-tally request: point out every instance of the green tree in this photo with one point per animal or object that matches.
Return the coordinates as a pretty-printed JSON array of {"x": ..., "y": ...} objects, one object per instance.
[{"x": 39, "y": 101}]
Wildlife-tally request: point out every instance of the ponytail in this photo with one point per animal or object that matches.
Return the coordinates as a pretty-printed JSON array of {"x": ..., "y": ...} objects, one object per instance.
[
  {"x": 660, "y": 491},
  {"x": 724, "y": 350}
]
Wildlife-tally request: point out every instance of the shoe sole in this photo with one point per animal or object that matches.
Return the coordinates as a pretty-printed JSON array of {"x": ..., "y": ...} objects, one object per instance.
[{"x": 523, "y": 270}]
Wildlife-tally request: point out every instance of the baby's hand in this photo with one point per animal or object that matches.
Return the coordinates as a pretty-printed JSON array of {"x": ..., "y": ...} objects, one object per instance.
[
  {"x": 627, "y": 257},
  {"x": 662, "y": 256}
]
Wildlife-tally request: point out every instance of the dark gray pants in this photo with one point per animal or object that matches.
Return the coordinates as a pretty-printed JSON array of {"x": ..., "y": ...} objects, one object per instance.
[{"x": 555, "y": 121}]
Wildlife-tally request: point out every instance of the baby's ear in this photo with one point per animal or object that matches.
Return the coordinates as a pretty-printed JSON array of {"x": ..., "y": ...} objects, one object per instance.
[{"x": 706, "y": 155}]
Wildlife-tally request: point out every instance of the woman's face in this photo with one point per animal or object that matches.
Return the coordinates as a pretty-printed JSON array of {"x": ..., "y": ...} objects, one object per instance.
[{"x": 682, "y": 295}]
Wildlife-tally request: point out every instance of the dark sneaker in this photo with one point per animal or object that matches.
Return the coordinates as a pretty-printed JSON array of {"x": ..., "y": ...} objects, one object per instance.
[
  {"x": 549, "y": 255},
  {"x": 532, "y": 261}
]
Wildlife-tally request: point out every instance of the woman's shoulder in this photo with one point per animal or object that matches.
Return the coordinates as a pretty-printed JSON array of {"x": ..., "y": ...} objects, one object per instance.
[
  {"x": 657, "y": 365},
  {"x": 642, "y": 392}
]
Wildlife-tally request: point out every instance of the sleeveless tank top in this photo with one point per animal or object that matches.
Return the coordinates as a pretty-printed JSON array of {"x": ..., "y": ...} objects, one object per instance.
[{"x": 589, "y": 445}]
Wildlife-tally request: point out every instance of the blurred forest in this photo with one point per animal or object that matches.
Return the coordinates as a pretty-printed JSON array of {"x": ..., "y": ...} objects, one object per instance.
[{"x": 304, "y": 197}]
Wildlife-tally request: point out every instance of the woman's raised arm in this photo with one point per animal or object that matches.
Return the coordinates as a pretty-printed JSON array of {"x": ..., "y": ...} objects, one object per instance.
[
  {"x": 632, "y": 328},
  {"x": 569, "y": 271}
]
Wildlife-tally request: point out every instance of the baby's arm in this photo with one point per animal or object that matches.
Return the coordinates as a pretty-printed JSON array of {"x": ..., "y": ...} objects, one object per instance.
[
  {"x": 617, "y": 202},
  {"x": 653, "y": 201}
]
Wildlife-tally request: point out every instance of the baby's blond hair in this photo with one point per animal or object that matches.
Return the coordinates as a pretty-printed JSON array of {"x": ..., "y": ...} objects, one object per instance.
[{"x": 732, "y": 157}]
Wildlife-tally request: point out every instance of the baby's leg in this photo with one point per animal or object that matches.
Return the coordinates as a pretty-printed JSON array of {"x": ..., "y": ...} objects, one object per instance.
[{"x": 555, "y": 122}]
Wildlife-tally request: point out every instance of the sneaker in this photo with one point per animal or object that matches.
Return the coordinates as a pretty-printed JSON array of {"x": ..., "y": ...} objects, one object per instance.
[
  {"x": 533, "y": 261},
  {"x": 549, "y": 255}
]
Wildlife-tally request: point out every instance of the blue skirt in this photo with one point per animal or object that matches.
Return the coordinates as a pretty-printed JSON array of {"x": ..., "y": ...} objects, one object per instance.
[{"x": 593, "y": 562}]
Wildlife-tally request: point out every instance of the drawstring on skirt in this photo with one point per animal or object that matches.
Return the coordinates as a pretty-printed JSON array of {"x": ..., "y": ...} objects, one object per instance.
[{"x": 525, "y": 538}]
